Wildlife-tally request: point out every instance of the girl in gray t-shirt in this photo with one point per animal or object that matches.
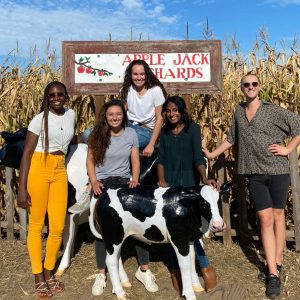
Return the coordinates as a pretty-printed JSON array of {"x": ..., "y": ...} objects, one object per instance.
[
  {"x": 116, "y": 160},
  {"x": 112, "y": 147}
]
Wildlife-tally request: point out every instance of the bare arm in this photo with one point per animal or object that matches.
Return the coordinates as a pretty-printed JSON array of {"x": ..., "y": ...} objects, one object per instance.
[
  {"x": 219, "y": 150},
  {"x": 284, "y": 151},
  {"x": 205, "y": 180},
  {"x": 135, "y": 165},
  {"x": 77, "y": 139},
  {"x": 30, "y": 144},
  {"x": 158, "y": 124},
  {"x": 161, "y": 176},
  {"x": 97, "y": 186}
]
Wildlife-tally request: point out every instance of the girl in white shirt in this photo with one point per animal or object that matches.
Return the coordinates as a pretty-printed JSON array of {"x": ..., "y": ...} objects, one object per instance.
[{"x": 144, "y": 96}]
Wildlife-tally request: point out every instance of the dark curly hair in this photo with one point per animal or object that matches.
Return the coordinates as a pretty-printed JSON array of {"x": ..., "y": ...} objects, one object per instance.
[
  {"x": 185, "y": 118},
  {"x": 150, "y": 79},
  {"x": 45, "y": 108},
  {"x": 99, "y": 140}
]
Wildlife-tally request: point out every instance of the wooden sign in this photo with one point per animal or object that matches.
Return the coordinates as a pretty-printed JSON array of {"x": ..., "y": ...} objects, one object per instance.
[{"x": 187, "y": 67}]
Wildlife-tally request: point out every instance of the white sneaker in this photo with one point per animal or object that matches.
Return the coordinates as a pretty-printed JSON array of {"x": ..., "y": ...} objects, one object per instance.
[
  {"x": 147, "y": 279},
  {"x": 82, "y": 204},
  {"x": 99, "y": 285}
]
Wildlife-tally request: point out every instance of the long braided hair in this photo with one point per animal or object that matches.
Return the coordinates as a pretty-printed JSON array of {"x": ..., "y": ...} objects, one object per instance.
[{"x": 45, "y": 108}]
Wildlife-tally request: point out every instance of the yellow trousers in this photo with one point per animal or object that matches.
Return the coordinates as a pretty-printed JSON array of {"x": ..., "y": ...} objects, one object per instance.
[{"x": 47, "y": 187}]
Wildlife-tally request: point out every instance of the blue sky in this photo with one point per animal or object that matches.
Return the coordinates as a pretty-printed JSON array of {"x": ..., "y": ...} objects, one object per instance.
[{"x": 30, "y": 23}]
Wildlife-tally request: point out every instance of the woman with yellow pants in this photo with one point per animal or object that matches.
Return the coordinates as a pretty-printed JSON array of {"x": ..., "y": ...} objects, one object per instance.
[{"x": 43, "y": 183}]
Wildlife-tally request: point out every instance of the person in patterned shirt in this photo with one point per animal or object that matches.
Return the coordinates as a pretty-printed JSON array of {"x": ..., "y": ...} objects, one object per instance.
[{"x": 259, "y": 130}]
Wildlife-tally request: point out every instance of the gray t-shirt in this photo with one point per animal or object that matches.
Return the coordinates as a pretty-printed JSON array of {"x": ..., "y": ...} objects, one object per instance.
[{"x": 117, "y": 157}]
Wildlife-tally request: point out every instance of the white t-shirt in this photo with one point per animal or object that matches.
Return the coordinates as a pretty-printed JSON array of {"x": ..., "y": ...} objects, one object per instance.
[
  {"x": 141, "y": 109},
  {"x": 60, "y": 130}
]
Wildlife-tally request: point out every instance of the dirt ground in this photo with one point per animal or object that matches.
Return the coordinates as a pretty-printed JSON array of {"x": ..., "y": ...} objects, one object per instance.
[{"x": 237, "y": 269}]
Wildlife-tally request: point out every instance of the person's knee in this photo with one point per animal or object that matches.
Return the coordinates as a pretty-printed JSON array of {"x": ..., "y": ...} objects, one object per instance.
[
  {"x": 144, "y": 135},
  {"x": 266, "y": 218},
  {"x": 35, "y": 227},
  {"x": 56, "y": 230},
  {"x": 278, "y": 215},
  {"x": 142, "y": 142}
]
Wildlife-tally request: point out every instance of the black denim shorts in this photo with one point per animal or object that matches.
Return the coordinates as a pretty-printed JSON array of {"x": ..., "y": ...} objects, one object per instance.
[{"x": 269, "y": 191}]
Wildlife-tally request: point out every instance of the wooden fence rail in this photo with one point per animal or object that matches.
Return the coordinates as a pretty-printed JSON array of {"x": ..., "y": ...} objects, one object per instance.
[
  {"x": 295, "y": 183},
  {"x": 243, "y": 230},
  {"x": 10, "y": 225},
  {"x": 9, "y": 203}
]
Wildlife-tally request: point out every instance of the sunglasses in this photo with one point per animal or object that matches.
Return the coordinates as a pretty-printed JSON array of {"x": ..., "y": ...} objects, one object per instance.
[
  {"x": 247, "y": 84},
  {"x": 52, "y": 95}
]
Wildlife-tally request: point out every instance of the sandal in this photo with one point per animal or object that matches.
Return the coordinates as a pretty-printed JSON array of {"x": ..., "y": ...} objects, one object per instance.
[
  {"x": 55, "y": 285},
  {"x": 43, "y": 290}
]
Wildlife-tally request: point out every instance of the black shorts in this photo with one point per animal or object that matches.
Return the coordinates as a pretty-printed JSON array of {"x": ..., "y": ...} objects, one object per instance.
[{"x": 269, "y": 191}]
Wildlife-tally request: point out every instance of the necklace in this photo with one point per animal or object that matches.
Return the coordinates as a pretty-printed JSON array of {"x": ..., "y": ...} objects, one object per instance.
[
  {"x": 176, "y": 131},
  {"x": 62, "y": 132}
]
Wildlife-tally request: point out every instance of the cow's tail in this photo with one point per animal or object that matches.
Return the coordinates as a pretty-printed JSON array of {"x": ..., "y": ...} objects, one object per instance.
[{"x": 91, "y": 218}]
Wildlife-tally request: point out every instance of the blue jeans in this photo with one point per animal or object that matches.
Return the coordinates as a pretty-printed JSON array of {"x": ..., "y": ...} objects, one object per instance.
[
  {"x": 199, "y": 252},
  {"x": 85, "y": 135},
  {"x": 143, "y": 134}
]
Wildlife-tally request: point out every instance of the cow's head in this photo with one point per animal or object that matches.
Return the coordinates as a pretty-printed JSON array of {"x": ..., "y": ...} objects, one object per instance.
[{"x": 187, "y": 215}]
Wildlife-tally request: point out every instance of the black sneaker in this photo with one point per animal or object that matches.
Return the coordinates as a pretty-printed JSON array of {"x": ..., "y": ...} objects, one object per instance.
[
  {"x": 273, "y": 286},
  {"x": 263, "y": 275}
]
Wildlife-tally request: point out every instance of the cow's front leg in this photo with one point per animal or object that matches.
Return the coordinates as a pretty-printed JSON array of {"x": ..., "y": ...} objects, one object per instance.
[
  {"x": 186, "y": 274},
  {"x": 72, "y": 220},
  {"x": 197, "y": 287},
  {"x": 112, "y": 262},
  {"x": 123, "y": 276}
]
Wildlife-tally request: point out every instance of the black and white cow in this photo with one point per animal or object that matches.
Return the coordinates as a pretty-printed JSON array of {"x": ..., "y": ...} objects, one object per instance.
[{"x": 154, "y": 215}]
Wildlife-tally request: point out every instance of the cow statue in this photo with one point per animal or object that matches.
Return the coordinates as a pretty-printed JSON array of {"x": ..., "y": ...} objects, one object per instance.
[{"x": 154, "y": 215}]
